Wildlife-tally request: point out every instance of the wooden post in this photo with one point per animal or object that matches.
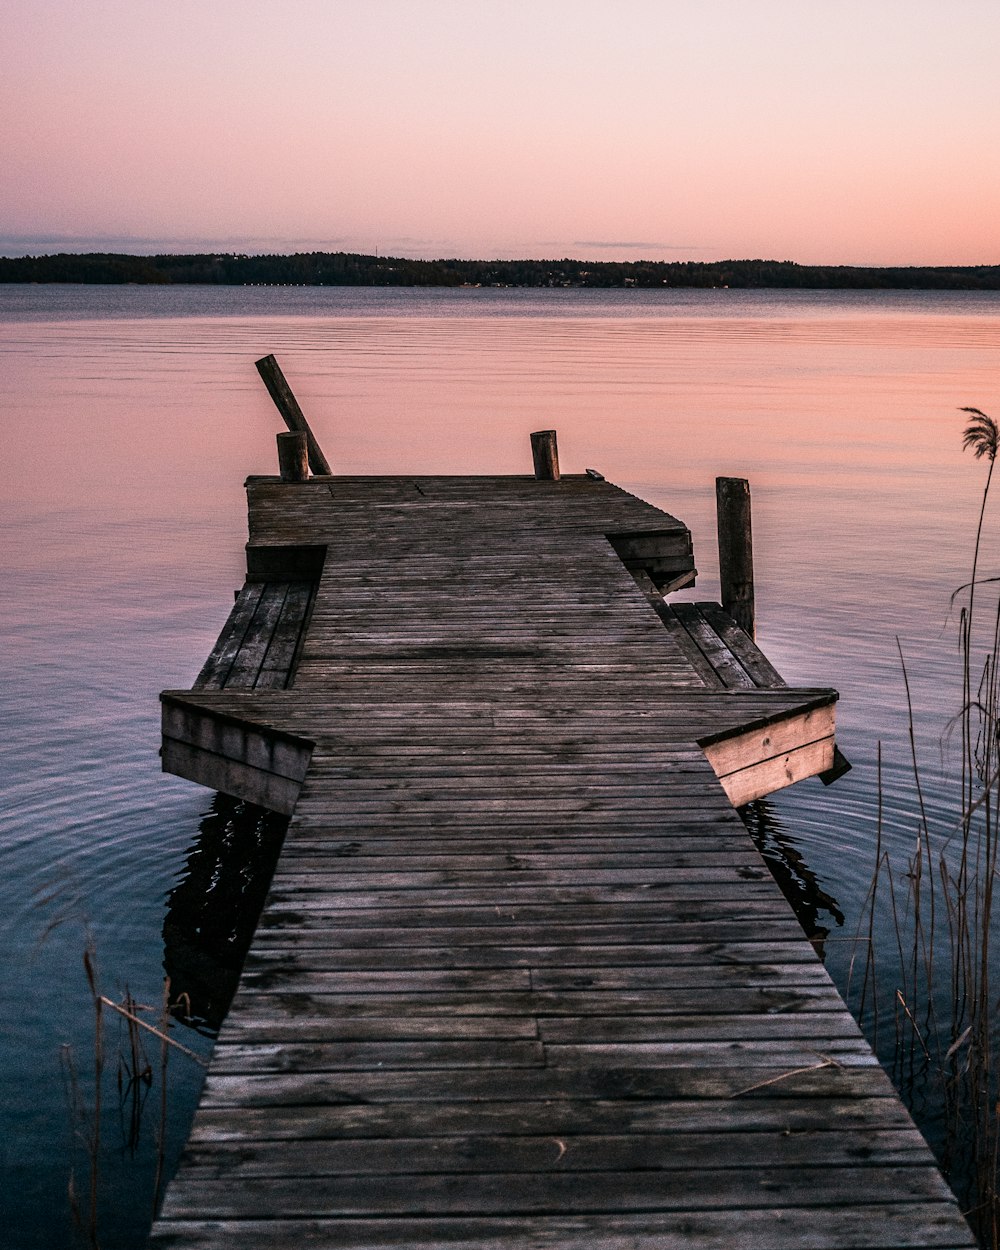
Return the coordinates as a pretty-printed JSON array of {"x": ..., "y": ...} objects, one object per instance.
[
  {"x": 545, "y": 455},
  {"x": 293, "y": 456},
  {"x": 288, "y": 406},
  {"x": 732, "y": 498}
]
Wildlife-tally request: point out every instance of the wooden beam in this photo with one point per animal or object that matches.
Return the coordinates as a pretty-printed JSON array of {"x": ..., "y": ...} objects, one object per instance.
[
  {"x": 288, "y": 406},
  {"x": 248, "y": 762},
  {"x": 231, "y": 776},
  {"x": 755, "y": 764}
]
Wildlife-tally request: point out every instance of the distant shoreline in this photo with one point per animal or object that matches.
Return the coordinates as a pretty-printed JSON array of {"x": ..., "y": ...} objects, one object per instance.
[{"x": 354, "y": 269}]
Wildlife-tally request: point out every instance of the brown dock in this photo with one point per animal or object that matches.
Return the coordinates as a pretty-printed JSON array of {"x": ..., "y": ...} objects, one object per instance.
[{"x": 522, "y": 979}]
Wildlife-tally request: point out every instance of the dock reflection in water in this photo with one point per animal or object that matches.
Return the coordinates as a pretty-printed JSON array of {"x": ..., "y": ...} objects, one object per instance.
[
  {"x": 797, "y": 881},
  {"x": 213, "y": 910}
]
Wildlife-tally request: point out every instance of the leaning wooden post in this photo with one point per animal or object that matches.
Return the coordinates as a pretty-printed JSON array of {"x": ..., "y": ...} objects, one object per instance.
[
  {"x": 545, "y": 455},
  {"x": 732, "y": 499},
  {"x": 293, "y": 456},
  {"x": 288, "y": 406}
]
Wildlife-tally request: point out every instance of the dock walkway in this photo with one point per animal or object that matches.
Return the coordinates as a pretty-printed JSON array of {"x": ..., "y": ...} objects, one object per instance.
[{"x": 522, "y": 979}]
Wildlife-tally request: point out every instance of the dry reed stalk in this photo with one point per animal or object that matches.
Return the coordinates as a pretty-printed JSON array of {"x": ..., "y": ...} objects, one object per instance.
[
  {"x": 161, "y": 1135},
  {"x": 160, "y": 1033},
  {"x": 94, "y": 1145},
  {"x": 868, "y": 907},
  {"x": 824, "y": 1062},
  {"x": 74, "y": 1100},
  {"x": 945, "y": 1014},
  {"x": 135, "y": 1075}
]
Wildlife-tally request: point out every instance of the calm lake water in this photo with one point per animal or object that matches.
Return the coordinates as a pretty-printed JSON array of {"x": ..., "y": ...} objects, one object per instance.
[{"x": 131, "y": 417}]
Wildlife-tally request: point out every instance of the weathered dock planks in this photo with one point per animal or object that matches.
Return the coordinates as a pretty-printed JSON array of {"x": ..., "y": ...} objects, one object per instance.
[{"x": 522, "y": 979}]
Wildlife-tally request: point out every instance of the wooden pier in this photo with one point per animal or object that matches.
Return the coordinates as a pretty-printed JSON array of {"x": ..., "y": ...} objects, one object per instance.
[{"x": 522, "y": 979}]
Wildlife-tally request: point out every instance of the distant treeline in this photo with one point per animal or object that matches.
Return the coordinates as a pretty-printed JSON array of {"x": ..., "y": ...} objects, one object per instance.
[{"x": 350, "y": 269}]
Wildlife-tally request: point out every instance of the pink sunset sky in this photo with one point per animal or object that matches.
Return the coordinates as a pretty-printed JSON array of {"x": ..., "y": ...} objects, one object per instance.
[{"x": 822, "y": 131}]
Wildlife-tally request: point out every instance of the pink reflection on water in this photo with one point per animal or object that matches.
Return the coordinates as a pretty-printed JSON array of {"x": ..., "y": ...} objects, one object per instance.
[{"x": 165, "y": 417}]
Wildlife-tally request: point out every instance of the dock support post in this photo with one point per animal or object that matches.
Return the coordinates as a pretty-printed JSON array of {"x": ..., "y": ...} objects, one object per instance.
[
  {"x": 293, "y": 456},
  {"x": 545, "y": 454},
  {"x": 288, "y": 406},
  {"x": 732, "y": 498}
]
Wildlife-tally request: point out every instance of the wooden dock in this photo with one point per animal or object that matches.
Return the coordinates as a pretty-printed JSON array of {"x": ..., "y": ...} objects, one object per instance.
[{"x": 522, "y": 979}]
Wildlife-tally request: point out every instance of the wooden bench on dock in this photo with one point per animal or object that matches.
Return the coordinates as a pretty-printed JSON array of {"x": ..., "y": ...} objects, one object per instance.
[
  {"x": 522, "y": 979},
  {"x": 259, "y": 646}
]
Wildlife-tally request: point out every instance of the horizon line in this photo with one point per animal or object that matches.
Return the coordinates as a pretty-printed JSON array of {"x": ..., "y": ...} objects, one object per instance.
[{"x": 229, "y": 249}]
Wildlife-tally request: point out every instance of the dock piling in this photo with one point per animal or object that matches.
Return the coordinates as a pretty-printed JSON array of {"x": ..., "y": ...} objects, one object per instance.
[
  {"x": 545, "y": 454},
  {"x": 732, "y": 498},
  {"x": 292, "y": 414},
  {"x": 293, "y": 456}
]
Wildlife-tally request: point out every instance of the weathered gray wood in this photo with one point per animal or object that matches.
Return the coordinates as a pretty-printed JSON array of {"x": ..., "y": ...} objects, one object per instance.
[
  {"x": 343, "y": 1055},
  {"x": 717, "y": 979},
  {"x": 216, "y": 668},
  {"x": 256, "y": 643},
  {"x": 231, "y": 776},
  {"x": 505, "y": 1193},
  {"x": 545, "y": 455},
  {"x": 775, "y": 1114},
  {"x": 283, "y": 932},
  {"x": 288, "y": 406},
  {"x": 302, "y": 1017},
  {"x": 281, "y": 660},
  {"x": 813, "y": 1079},
  {"x": 513, "y": 1153},
  {"x": 721, "y": 659},
  {"x": 245, "y": 742},
  {"x": 640, "y": 908},
  {"x": 293, "y": 456},
  {"x": 690, "y": 649},
  {"x": 522, "y": 979},
  {"x": 300, "y": 859},
  {"x": 882, "y": 1226},
  {"x": 750, "y": 656},
  {"x": 665, "y": 557},
  {"x": 736, "y": 551},
  {"x": 454, "y": 955}
]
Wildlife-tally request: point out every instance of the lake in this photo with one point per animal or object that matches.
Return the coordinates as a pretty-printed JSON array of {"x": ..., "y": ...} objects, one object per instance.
[{"x": 132, "y": 416}]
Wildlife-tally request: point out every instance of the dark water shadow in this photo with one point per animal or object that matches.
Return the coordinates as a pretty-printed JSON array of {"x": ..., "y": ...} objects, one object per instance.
[
  {"x": 213, "y": 910},
  {"x": 813, "y": 906}
]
